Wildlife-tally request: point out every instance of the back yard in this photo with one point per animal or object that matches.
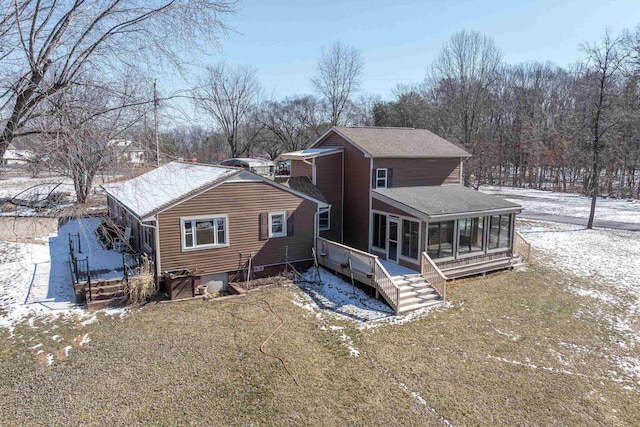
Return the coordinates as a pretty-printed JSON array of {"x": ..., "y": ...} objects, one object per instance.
[{"x": 555, "y": 344}]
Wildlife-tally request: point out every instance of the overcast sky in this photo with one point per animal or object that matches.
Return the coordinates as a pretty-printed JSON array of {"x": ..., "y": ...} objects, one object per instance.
[{"x": 400, "y": 39}]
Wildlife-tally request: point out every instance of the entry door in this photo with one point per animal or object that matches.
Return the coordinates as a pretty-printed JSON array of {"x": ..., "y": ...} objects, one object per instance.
[{"x": 393, "y": 234}]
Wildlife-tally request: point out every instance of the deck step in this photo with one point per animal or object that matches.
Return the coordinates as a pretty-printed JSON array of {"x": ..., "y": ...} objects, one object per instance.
[
  {"x": 410, "y": 293},
  {"x": 416, "y": 306},
  {"x": 418, "y": 299}
]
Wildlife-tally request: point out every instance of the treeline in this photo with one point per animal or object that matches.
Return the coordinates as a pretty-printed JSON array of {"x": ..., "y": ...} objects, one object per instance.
[{"x": 533, "y": 124}]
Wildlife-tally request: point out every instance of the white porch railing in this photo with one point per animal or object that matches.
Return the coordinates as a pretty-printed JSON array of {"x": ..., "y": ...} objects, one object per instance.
[
  {"x": 386, "y": 286},
  {"x": 432, "y": 273},
  {"x": 361, "y": 266},
  {"x": 521, "y": 247}
]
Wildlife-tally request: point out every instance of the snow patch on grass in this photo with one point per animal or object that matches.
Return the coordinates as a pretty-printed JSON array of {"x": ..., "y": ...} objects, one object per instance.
[
  {"x": 339, "y": 299},
  {"x": 566, "y": 204}
]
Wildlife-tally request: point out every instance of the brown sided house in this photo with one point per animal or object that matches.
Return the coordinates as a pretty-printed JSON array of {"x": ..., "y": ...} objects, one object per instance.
[
  {"x": 397, "y": 205},
  {"x": 213, "y": 220}
]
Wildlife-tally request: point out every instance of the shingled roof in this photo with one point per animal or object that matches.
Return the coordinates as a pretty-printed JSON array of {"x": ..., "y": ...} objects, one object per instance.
[
  {"x": 398, "y": 142},
  {"x": 446, "y": 200}
]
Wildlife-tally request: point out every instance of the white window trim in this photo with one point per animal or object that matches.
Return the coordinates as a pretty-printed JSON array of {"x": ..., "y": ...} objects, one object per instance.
[
  {"x": 183, "y": 220},
  {"x": 386, "y": 176},
  {"x": 328, "y": 212},
  {"x": 284, "y": 224}
]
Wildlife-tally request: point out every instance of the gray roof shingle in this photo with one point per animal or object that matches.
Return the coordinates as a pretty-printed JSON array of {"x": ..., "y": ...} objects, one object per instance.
[
  {"x": 400, "y": 142},
  {"x": 435, "y": 201}
]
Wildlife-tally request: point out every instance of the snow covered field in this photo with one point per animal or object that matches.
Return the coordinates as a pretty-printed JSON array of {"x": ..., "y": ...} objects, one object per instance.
[
  {"x": 576, "y": 205},
  {"x": 35, "y": 279}
]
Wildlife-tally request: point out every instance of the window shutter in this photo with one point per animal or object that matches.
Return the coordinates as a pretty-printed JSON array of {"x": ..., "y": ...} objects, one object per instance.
[
  {"x": 289, "y": 223},
  {"x": 374, "y": 176},
  {"x": 264, "y": 226},
  {"x": 389, "y": 177}
]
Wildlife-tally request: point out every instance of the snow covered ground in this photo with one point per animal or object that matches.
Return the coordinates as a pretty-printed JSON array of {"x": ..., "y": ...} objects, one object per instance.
[
  {"x": 610, "y": 260},
  {"x": 35, "y": 279},
  {"x": 576, "y": 205},
  {"x": 27, "y": 188}
]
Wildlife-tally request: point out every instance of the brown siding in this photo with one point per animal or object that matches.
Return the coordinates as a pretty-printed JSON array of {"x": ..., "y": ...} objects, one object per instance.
[
  {"x": 242, "y": 202},
  {"x": 357, "y": 182},
  {"x": 377, "y": 205},
  {"x": 329, "y": 182},
  {"x": 300, "y": 168},
  {"x": 417, "y": 172}
]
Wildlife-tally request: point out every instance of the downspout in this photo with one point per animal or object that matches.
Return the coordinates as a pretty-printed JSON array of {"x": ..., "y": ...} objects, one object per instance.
[
  {"x": 316, "y": 219},
  {"x": 156, "y": 252},
  {"x": 370, "y": 236}
]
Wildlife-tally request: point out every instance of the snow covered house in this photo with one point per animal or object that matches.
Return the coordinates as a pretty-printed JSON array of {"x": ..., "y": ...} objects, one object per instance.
[
  {"x": 16, "y": 157},
  {"x": 214, "y": 222},
  {"x": 126, "y": 151},
  {"x": 400, "y": 218}
]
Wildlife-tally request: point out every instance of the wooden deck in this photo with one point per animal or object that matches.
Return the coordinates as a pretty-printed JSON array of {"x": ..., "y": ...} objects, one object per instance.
[{"x": 405, "y": 290}]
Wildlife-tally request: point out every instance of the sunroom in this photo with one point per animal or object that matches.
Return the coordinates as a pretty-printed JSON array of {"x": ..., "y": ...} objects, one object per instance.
[{"x": 463, "y": 231}]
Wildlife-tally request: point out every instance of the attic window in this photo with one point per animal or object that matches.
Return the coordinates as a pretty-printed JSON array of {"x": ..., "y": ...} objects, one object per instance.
[{"x": 381, "y": 178}]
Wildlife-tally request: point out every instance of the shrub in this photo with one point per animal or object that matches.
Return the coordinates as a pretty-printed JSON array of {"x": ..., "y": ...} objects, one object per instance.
[{"x": 142, "y": 286}]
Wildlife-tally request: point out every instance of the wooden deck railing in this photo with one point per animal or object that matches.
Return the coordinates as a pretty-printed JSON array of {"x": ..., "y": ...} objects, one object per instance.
[
  {"x": 359, "y": 265},
  {"x": 522, "y": 247},
  {"x": 432, "y": 273},
  {"x": 385, "y": 285}
]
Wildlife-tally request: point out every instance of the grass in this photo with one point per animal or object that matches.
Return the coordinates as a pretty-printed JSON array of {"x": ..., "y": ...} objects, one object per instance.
[{"x": 513, "y": 349}]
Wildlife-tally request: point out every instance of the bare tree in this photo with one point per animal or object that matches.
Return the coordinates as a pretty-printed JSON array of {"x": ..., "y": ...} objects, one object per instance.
[
  {"x": 44, "y": 46},
  {"x": 86, "y": 120},
  {"x": 461, "y": 82},
  {"x": 290, "y": 125},
  {"x": 339, "y": 74},
  {"x": 601, "y": 85},
  {"x": 228, "y": 94}
]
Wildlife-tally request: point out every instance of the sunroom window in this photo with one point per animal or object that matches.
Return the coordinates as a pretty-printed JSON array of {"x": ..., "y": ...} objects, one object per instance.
[
  {"x": 471, "y": 232},
  {"x": 410, "y": 238},
  {"x": 379, "y": 231},
  {"x": 440, "y": 240},
  {"x": 499, "y": 231}
]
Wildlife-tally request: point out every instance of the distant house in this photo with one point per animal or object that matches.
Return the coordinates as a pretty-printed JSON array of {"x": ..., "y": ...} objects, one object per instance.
[
  {"x": 14, "y": 156},
  {"x": 260, "y": 166},
  {"x": 126, "y": 151},
  {"x": 214, "y": 221}
]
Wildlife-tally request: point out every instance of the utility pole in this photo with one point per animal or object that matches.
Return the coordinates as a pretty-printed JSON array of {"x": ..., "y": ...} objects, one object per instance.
[{"x": 155, "y": 122}]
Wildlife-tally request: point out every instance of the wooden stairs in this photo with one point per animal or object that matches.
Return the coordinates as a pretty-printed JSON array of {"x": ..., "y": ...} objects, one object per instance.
[
  {"x": 107, "y": 293},
  {"x": 415, "y": 293}
]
